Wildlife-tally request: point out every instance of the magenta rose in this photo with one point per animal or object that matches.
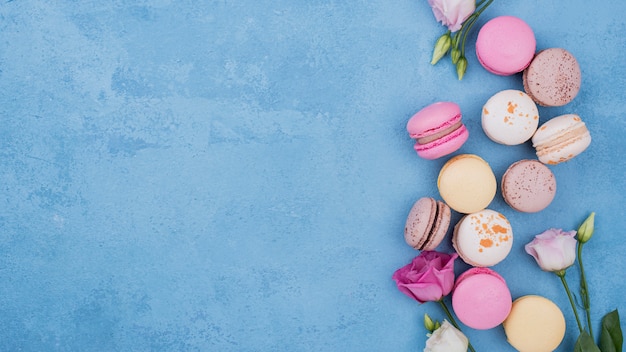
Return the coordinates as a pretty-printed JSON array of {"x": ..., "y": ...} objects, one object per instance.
[
  {"x": 554, "y": 249},
  {"x": 429, "y": 277},
  {"x": 452, "y": 13}
]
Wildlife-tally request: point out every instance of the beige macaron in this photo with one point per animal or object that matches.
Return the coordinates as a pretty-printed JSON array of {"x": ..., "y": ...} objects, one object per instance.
[
  {"x": 466, "y": 183},
  {"x": 510, "y": 117},
  {"x": 535, "y": 324}
]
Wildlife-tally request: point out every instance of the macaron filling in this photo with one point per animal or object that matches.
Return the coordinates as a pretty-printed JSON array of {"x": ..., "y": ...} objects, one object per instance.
[
  {"x": 576, "y": 133},
  {"x": 460, "y": 134},
  {"x": 443, "y": 131},
  {"x": 433, "y": 227}
]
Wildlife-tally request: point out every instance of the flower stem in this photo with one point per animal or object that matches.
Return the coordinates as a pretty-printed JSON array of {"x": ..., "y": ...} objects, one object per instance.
[
  {"x": 470, "y": 22},
  {"x": 453, "y": 321},
  {"x": 561, "y": 274},
  {"x": 584, "y": 293}
]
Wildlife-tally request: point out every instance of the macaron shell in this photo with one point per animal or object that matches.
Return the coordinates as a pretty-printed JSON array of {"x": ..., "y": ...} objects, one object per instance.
[
  {"x": 443, "y": 146},
  {"x": 528, "y": 186},
  {"x": 535, "y": 324},
  {"x": 433, "y": 118},
  {"x": 553, "y": 77},
  {"x": 427, "y": 224},
  {"x": 466, "y": 183},
  {"x": 560, "y": 139},
  {"x": 483, "y": 239},
  {"x": 510, "y": 117},
  {"x": 481, "y": 299},
  {"x": 419, "y": 221},
  {"x": 505, "y": 45}
]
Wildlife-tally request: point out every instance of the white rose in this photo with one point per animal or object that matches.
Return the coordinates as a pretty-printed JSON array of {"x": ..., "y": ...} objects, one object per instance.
[{"x": 447, "y": 338}]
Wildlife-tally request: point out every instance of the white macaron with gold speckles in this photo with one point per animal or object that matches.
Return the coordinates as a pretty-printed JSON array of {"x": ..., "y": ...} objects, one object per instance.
[
  {"x": 483, "y": 239},
  {"x": 510, "y": 117}
]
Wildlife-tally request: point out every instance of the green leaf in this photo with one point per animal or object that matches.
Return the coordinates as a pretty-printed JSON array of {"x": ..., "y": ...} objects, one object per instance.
[
  {"x": 611, "y": 338},
  {"x": 585, "y": 343}
]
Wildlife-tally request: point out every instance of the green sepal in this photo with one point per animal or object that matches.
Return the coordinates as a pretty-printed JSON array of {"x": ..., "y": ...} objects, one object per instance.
[
  {"x": 428, "y": 323},
  {"x": 437, "y": 325}
]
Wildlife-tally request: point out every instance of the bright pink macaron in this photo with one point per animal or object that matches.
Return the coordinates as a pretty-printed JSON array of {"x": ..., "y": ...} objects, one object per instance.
[
  {"x": 438, "y": 130},
  {"x": 481, "y": 298},
  {"x": 505, "y": 45}
]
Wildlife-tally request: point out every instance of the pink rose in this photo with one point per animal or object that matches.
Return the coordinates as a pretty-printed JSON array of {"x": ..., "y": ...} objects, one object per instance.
[
  {"x": 452, "y": 13},
  {"x": 554, "y": 250},
  {"x": 429, "y": 277}
]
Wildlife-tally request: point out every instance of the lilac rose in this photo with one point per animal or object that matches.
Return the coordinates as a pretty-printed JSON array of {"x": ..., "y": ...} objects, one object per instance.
[
  {"x": 452, "y": 13},
  {"x": 554, "y": 250}
]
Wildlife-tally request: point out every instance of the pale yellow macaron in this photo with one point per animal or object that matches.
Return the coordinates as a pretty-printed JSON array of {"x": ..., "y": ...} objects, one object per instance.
[
  {"x": 535, "y": 324},
  {"x": 466, "y": 183}
]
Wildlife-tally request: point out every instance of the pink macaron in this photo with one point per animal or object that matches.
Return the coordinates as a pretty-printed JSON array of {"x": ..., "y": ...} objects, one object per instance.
[
  {"x": 438, "y": 130},
  {"x": 505, "y": 45},
  {"x": 481, "y": 298}
]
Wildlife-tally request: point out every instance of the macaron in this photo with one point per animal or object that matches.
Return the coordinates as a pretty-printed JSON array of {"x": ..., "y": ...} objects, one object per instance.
[
  {"x": 438, "y": 130},
  {"x": 505, "y": 45},
  {"x": 528, "y": 186},
  {"x": 535, "y": 324},
  {"x": 553, "y": 77},
  {"x": 481, "y": 298},
  {"x": 510, "y": 117},
  {"x": 483, "y": 238},
  {"x": 466, "y": 183},
  {"x": 427, "y": 224},
  {"x": 560, "y": 139}
]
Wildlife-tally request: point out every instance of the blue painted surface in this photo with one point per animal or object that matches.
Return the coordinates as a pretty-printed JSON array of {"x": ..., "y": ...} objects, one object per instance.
[{"x": 235, "y": 176}]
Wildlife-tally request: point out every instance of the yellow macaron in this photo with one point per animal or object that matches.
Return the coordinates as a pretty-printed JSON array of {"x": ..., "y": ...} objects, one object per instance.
[
  {"x": 535, "y": 324},
  {"x": 466, "y": 183}
]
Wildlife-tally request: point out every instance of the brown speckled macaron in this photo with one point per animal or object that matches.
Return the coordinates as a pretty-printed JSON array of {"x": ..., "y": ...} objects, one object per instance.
[
  {"x": 528, "y": 186},
  {"x": 427, "y": 224},
  {"x": 552, "y": 78}
]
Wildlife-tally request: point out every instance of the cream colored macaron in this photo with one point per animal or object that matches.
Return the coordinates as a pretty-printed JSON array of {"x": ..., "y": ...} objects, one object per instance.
[
  {"x": 561, "y": 138},
  {"x": 484, "y": 238},
  {"x": 466, "y": 183},
  {"x": 510, "y": 117},
  {"x": 535, "y": 324}
]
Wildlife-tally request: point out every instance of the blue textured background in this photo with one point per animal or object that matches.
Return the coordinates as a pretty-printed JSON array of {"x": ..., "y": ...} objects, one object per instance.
[{"x": 235, "y": 175}]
